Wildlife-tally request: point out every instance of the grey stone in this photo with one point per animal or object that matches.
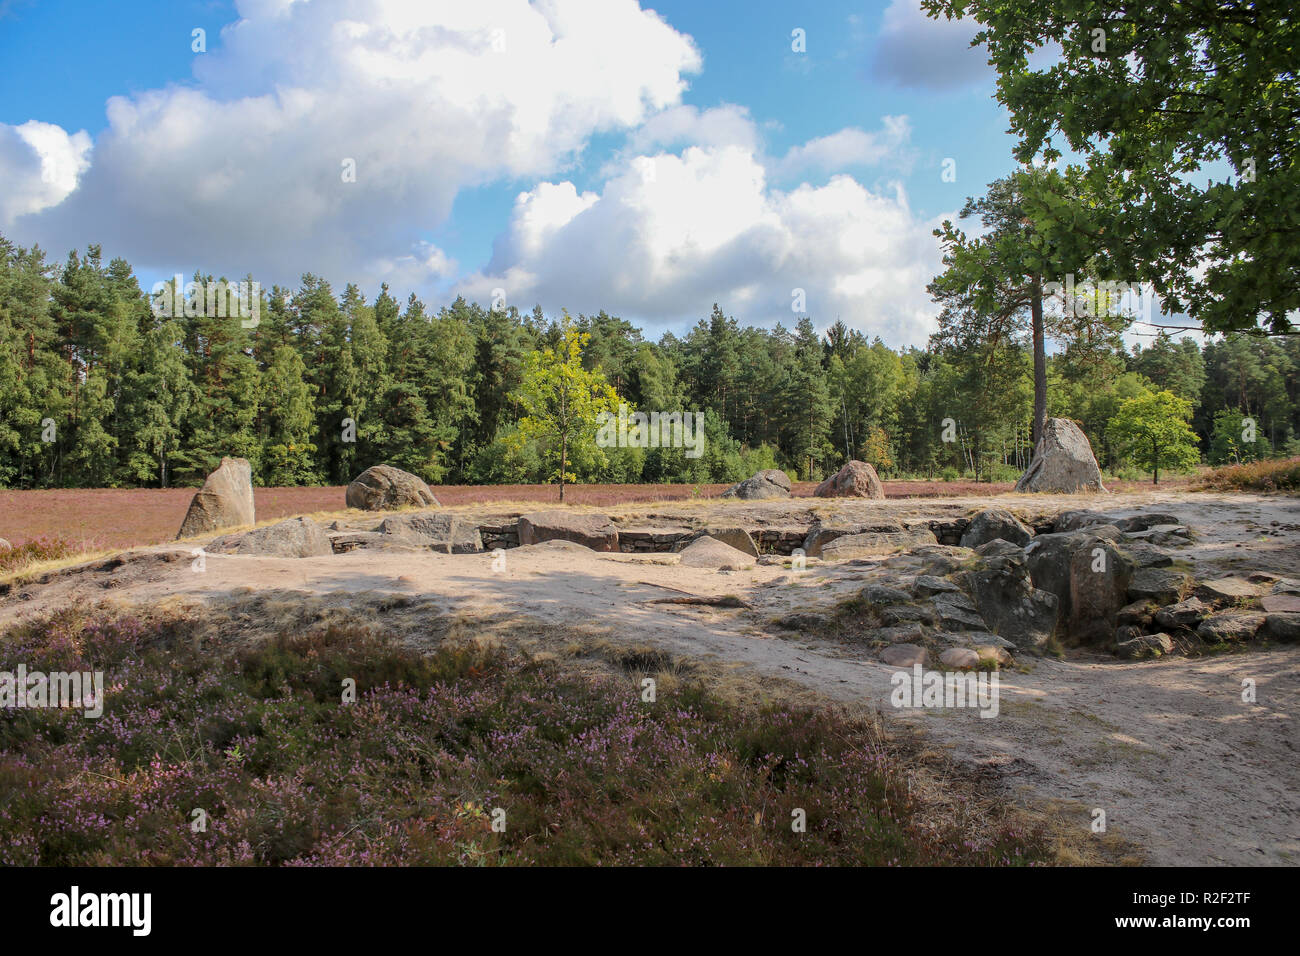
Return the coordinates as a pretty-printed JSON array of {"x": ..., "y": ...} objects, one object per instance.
[
  {"x": 224, "y": 501},
  {"x": 1227, "y": 590},
  {"x": 1229, "y": 626},
  {"x": 383, "y": 488},
  {"x": 769, "y": 483},
  {"x": 903, "y": 655},
  {"x": 1145, "y": 645},
  {"x": 440, "y": 531},
  {"x": 294, "y": 538},
  {"x": 856, "y": 479},
  {"x": 864, "y": 545},
  {"x": 593, "y": 531},
  {"x": 1282, "y": 627},
  {"x": 994, "y": 524},
  {"x": 1186, "y": 613},
  {"x": 1157, "y": 584},
  {"x": 709, "y": 552},
  {"x": 1063, "y": 462}
]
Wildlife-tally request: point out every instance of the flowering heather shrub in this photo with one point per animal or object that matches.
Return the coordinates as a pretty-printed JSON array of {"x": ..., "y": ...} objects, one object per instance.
[
  {"x": 32, "y": 552},
  {"x": 411, "y": 772},
  {"x": 1267, "y": 475}
]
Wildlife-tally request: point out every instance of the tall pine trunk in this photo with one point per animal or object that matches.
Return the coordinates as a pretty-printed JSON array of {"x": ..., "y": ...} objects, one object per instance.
[{"x": 1040, "y": 359}]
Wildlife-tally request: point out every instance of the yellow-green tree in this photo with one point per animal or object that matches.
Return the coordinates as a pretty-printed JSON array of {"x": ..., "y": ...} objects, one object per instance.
[
  {"x": 1154, "y": 429},
  {"x": 561, "y": 400}
]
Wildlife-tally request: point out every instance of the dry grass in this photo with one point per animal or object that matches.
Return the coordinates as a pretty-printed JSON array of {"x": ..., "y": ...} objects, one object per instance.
[{"x": 1270, "y": 475}]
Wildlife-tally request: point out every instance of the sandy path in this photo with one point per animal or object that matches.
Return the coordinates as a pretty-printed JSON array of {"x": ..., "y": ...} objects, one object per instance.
[{"x": 1182, "y": 767}]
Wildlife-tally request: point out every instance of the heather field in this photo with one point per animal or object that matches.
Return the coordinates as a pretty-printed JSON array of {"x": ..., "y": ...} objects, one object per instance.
[{"x": 96, "y": 519}]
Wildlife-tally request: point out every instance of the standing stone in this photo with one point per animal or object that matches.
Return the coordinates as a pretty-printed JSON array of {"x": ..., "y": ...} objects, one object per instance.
[
  {"x": 770, "y": 483},
  {"x": 856, "y": 479},
  {"x": 382, "y": 487},
  {"x": 224, "y": 501},
  {"x": 1063, "y": 462}
]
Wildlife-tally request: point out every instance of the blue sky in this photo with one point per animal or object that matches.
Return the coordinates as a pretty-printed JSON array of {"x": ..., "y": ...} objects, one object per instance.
[{"x": 665, "y": 160}]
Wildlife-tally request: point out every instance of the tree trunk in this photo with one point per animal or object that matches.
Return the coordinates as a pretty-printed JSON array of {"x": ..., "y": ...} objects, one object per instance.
[
  {"x": 1040, "y": 359},
  {"x": 564, "y": 463},
  {"x": 1155, "y": 462}
]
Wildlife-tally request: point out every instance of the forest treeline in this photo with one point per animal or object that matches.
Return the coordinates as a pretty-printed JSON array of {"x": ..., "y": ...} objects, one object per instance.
[{"x": 97, "y": 390}]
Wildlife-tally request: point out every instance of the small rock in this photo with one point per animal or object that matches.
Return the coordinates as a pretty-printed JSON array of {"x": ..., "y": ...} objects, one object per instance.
[
  {"x": 1227, "y": 590},
  {"x": 737, "y": 538},
  {"x": 1280, "y": 603},
  {"x": 1282, "y": 627},
  {"x": 900, "y": 634},
  {"x": 907, "y": 614},
  {"x": 1157, "y": 584},
  {"x": 709, "y": 552},
  {"x": 987, "y": 652},
  {"x": 960, "y": 658},
  {"x": 1187, "y": 613},
  {"x": 928, "y": 584},
  {"x": 1230, "y": 626},
  {"x": 1146, "y": 645},
  {"x": 884, "y": 594},
  {"x": 1140, "y": 613},
  {"x": 903, "y": 655}
]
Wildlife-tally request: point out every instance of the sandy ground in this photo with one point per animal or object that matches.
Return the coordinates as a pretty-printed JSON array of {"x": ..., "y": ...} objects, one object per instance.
[{"x": 1181, "y": 766}]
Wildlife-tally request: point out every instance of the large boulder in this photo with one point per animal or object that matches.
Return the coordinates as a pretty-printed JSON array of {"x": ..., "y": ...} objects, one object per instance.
[
  {"x": 709, "y": 552},
  {"x": 770, "y": 483},
  {"x": 593, "y": 531},
  {"x": 437, "y": 530},
  {"x": 1008, "y": 602},
  {"x": 856, "y": 479},
  {"x": 224, "y": 501},
  {"x": 1063, "y": 462},
  {"x": 869, "y": 544},
  {"x": 993, "y": 524},
  {"x": 383, "y": 487},
  {"x": 827, "y": 528},
  {"x": 295, "y": 538},
  {"x": 1090, "y": 578}
]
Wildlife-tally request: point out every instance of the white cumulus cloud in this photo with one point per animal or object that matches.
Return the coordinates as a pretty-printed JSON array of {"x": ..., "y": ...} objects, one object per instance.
[
  {"x": 669, "y": 234},
  {"x": 246, "y": 169}
]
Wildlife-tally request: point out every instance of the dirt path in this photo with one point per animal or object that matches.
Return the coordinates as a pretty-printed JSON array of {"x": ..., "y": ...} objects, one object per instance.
[{"x": 1180, "y": 765}]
